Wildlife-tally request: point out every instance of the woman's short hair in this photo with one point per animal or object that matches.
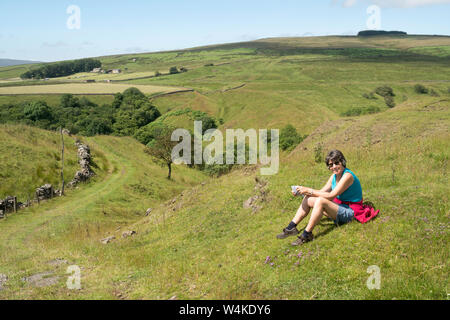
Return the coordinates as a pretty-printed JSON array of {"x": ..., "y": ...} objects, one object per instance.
[{"x": 336, "y": 155}]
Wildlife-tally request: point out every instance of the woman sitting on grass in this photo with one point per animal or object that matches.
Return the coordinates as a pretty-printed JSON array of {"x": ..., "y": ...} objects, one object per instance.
[{"x": 340, "y": 199}]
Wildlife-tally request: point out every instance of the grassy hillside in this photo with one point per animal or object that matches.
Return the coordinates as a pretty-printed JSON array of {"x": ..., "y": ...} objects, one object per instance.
[
  {"x": 204, "y": 244},
  {"x": 30, "y": 158},
  {"x": 199, "y": 242},
  {"x": 306, "y": 80}
]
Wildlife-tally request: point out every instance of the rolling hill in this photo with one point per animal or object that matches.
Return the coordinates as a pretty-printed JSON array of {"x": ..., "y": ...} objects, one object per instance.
[
  {"x": 199, "y": 241},
  {"x": 13, "y": 62}
]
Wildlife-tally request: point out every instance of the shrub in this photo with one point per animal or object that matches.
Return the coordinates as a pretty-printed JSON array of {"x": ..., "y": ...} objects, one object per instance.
[
  {"x": 434, "y": 93},
  {"x": 385, "y": 91},
  {"x": 129, "y": 118},
  {"x": 357, "y": 111},
  {"x": 373, "y": 109},
  {"x": 69, "y": 101},
  {"x": 216, "y": 170},
  {"x": 37, "y": 110},
  {"x": 173, "y": 70},
  {"x": 289, "y": 137},
  {"x": 133, "y": 94},
  {"x": 318, "y": 153},
  {"x": 418, "y": 88},
  {"x": 370, "y": 96},
  {"x": 352, "y": 112},
  {"x": 118, "y": 98},
  {"x": 94, "y": 126},
  {"x": 389, "y": 101},
  {"x": 207, "y": 121}
]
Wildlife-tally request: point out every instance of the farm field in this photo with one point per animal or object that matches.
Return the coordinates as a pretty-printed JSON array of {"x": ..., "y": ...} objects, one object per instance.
[
  {"x": 82, "y": 76},
  {"x": 88, "y": 88}
]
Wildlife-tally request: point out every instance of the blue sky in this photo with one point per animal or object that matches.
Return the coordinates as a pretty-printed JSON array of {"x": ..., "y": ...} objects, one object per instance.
[{"x": 37, "y": 30}]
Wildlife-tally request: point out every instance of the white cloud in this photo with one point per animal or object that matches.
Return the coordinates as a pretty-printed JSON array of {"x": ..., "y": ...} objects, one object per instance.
[
  {"x": 408, "y": 3},
  {"x": 396, "y": 3},
  {"x": 349, "y": 3}
]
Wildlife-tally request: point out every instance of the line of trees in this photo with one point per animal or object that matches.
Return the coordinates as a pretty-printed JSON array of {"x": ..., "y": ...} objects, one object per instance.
[
  {"x": 62, "y": 69},
  {"x": 130, "y": 111},
  {"x": 367, "y": 33}
]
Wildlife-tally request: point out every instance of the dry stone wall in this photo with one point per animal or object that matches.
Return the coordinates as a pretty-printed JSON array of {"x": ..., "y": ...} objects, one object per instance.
[
  {"x": 10, "y": 204},
  {"x": 84, "y": 159}
]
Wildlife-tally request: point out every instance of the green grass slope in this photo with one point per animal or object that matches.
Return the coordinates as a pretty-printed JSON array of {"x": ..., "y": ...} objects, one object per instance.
[
  {"x": 302, "y": 81},
  {"x": 203, "y": 244},
  {"x": 30, "y": 157},
  {"x": 199, "y": 242},
  {"x": 120, "y": 194}
]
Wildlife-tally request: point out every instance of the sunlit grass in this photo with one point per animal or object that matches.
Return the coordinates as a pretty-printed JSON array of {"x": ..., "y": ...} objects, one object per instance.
[{"x": 199, "y": 242}]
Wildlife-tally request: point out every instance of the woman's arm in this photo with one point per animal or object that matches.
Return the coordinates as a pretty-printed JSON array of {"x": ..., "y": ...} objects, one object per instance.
[{"x": 326, "y": 192}]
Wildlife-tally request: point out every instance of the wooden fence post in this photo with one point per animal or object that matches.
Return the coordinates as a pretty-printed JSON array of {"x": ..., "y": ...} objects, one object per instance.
[
  {"x": 15, "y": 204},
  {"x": 62, "y": 163}
]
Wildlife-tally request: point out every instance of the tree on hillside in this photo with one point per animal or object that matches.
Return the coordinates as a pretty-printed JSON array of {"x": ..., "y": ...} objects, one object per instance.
[
  {"x": 289, "y": 137},
  {"x": 134, "y": 111},
  {"x": 160, "y": 147},
  {"x": 69, "y": 101},
  {"x": 37, "y": 110},
  {"x": 132, "y": 94},
  {"x": 118, "y": 99},
  {"x": 129, "y": 118}
]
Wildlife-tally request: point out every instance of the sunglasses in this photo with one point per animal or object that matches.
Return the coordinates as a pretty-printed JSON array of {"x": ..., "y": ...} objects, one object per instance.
[{"x": 330, "y": 165}]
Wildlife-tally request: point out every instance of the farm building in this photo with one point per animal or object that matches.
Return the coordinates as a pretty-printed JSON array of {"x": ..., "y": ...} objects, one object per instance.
[{"x": 96, "y": 70}]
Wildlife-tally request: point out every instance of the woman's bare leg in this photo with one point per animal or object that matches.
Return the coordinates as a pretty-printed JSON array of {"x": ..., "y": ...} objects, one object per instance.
[
  {"x": 322, "y": 206},
  {"x": 303, "y": 210}
]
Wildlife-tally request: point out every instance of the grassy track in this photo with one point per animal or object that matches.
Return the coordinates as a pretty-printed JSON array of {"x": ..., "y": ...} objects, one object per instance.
[{"x": 63, "y": 225}]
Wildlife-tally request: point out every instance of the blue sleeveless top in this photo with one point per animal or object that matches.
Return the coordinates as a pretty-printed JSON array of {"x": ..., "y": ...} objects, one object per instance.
[{"x": 353, "y": 193}]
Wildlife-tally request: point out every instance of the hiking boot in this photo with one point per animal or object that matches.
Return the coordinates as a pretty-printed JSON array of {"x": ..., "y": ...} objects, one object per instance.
[
  {"x": 286, "y": 233},
  {"x": 301, "y": 239}
]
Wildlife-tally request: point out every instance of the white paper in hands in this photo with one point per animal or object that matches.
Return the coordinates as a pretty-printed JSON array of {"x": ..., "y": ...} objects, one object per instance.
[{"x": 294, "y": 190}]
